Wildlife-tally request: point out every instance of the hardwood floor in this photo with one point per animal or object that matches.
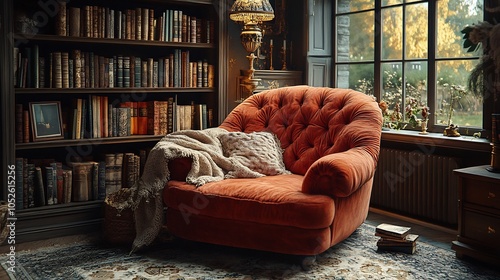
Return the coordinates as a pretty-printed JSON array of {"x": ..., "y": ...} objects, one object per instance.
[{"x": 439, "y": 236}]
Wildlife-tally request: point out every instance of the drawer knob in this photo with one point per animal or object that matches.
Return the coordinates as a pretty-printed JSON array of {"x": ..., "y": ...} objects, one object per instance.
[
  {"x": 491, "y": 230},
  {"x": 491, "y": 195}
]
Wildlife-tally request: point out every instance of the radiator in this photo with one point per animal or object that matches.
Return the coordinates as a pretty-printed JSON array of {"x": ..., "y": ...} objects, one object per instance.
[{"x": 417, "y": 185}]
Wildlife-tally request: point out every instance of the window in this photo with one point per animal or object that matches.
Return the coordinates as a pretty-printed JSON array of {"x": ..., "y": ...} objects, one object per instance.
[{"x": 409, "y": 54}]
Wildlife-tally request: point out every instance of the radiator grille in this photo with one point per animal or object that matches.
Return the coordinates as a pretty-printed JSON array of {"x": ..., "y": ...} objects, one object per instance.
[{"x": 417, "y": 185}]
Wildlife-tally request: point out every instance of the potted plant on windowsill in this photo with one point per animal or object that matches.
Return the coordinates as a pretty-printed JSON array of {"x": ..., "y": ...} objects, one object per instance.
[
  {"x": 417, "y": 114},
  {"x": 484, "y": 79}
]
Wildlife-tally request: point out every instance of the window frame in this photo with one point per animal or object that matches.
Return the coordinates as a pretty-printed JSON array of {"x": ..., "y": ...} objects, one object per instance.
[{"x": 431, "y": 61}]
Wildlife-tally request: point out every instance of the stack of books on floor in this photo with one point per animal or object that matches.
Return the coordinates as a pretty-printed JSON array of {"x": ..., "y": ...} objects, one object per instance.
[{"x": 396, "y": 238}]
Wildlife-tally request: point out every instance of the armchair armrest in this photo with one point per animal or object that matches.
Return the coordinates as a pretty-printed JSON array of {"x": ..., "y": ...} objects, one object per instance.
[{"x": 339, "y": 174}]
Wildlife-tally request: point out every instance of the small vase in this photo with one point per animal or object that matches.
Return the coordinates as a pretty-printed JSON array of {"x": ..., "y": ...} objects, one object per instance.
[{"x": 423, "y": 125}]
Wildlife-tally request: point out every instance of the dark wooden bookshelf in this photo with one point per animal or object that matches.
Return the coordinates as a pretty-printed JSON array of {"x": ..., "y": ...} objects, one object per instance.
[{"x": 78, "y": 217}]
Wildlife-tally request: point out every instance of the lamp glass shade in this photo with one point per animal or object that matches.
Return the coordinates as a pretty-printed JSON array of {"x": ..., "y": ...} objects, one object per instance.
[{"x": 251, "y": 11}]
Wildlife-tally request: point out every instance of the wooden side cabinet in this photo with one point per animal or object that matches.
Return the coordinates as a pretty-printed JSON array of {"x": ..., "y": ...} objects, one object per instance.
[{"x": 478, "y": 214}]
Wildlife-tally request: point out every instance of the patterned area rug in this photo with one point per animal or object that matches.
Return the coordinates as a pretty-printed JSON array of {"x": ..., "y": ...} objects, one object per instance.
[{"x": 355, "y": 258}]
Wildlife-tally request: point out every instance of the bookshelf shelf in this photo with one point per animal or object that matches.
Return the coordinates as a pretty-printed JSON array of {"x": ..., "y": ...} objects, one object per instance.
[
  {"x": 56, "y": 209},
  {"x": 58, "y": 220},
  {"x": 84, "y": 142},
  {"x": 178, "y": 90},
  {"x": 108, "y": 41}
]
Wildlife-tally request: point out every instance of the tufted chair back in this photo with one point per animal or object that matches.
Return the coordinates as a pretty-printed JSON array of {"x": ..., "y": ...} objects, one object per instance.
[{"x": 311, "y": 122}]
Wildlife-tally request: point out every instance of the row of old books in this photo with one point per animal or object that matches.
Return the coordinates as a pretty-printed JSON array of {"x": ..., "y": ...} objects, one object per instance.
[
  {"x": 396, "y": 238},
  {"x": 98, "y": 117},
  {"x": 133, "y": 24},
  {"x": 41, "y": 182},
  {"x": 78, "y": 69}
]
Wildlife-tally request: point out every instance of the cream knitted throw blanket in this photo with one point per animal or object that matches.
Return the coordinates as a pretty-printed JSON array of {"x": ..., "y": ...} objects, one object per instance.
[{"x": 209, "y": 164}]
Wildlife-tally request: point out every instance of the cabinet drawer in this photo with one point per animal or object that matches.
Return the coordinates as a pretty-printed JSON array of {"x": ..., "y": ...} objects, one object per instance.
[
  {"x": 482, "y": 193},
  {"x": 482, "y": 228}
]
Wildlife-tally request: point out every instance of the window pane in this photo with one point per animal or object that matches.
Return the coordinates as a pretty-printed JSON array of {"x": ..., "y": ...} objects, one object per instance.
[
  {"x": 392, "y": 91},
  {"x": 454, "y": 102},
  {"x": 359, "y": 77},
  {"x": 452, "y": 17},
  {"x": 415, "y": 91},
  {"x": 392, "y": 33},
  {"x": 391, "y": 2},
  {"x": 346, "y": 6},
  {"x": 416, "y": 31},
  {"x": 355, "y": 39}
]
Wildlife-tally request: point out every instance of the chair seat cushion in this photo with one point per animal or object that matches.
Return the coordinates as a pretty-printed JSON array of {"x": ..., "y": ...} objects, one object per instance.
[{"x": 274, "y": 200}]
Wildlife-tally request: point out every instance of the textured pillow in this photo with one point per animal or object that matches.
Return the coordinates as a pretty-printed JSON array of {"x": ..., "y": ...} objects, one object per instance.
[{"x": 258, "y": 151}]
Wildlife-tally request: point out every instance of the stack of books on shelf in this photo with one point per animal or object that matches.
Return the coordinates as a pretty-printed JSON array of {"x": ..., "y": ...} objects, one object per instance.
[
  {"x": 35, "y": 68},
  {"x": 42, "y": 182},
  {"x": 396, "y": 238}
]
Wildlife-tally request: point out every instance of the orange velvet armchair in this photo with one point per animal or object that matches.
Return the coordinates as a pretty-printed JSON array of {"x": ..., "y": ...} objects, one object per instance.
[{"x": 331, "y": 142}]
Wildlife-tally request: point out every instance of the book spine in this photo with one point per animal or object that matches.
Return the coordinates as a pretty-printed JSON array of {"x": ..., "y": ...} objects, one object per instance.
[
  {"x": 118, "y": 170},
  {"x": 193, "y": 30},
  {"x": 95, "y": 22},
  {"x": 31, "y": 185},
  {"x": 101, "y": 189},
  {"x": 26, "y": 126},
  {"x": 81, "y": 177},
  {"x": 19, "y": 123},
  {"x": 150, "y": 72},
  {"x": 138, "y": 23},
  {"x": 16, "y": 67},
  {"x": 126, "y": 71},
  {"x": 41, "y": 72},
  {"x": 94, "y": 190},
  {"x": 19, "y": 184},
  {"x": 65, "y": 69},
  {"x": 39, "y": 188},
  {"x": 151, "y": 27},
  {"x": 199, "y": 30},
  {"x": 68, "y": 184},
  {"x": 162, "y": 115},
  {"x": 61, "y": 19},
  {"x": 112, "y": 24},
  {"x": 109, "y": 163},
  {"x": 123, "y": 121},
  {"x": 145, "y": 24},
  {"x": 205, "y": 73},
  {"x": 35, "y": 66},
  {"x": 155, "y": 74},
  {"x": 170, "y": 115},
  {"x": 199, "y": 74},
  {"x": 74, "y": 21},
  {"x": 49, "y": 185},
  {"x": 58, "y": 75},
  {"x": 144, "y": 73},
  {"x": 25, "y": 183},
  {"x": 184, "y": 34},
  {"x": 211, "y": 75},
  {"x": 59, "y": 183}
]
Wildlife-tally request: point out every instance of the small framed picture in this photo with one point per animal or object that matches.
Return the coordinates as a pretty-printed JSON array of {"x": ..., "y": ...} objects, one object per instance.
[{"x": 46, "y": 120}]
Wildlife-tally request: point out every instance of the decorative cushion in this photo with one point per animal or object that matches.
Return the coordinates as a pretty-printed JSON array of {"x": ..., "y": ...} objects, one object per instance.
[{"x": 258, "y": 151}]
